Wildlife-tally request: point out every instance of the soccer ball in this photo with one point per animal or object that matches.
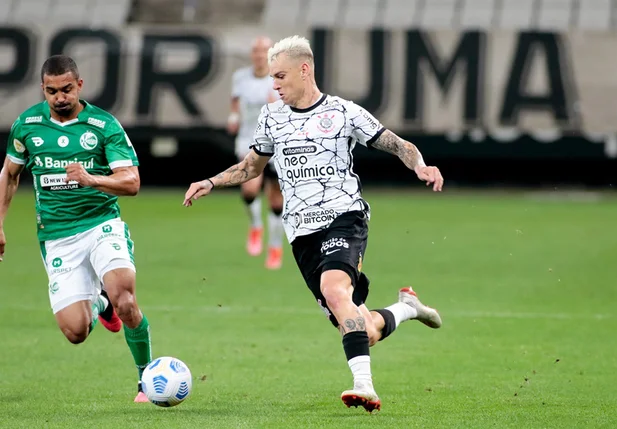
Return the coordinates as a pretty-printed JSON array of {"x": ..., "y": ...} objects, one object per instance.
[{"x": 166, "y": 381}]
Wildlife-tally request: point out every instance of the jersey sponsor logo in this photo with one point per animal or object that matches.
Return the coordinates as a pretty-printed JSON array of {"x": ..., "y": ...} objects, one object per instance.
[
  {"x": 325, "y": 124},
  {"x": 107, "y": 232},
  {"x": 288, "y": 151},
  {"x": 54, "y": 163},
  {"x": 298, "y": 167},
  {"x": 334, "y": 243},
  {"x": 88, "y": 140},
  {"x": 314, "y": 217},
  {"x": 96, "y": 122},
  {"x": 57, "y": 182},
  {"x": 53, "y": 288},
  {"x": 57, "y": 265},
  {"x": 369, "y": 119},
  {"x": 37, "y": 141},
  {"x": 33, "y": 119},
  {"x": 38, "y": 162},
  {"x": 63, "y": 141},
  {"x": 19, "y": 146}
]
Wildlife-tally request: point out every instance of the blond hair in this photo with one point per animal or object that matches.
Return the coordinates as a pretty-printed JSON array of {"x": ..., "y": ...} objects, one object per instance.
[{"x": 295, "y": 47}]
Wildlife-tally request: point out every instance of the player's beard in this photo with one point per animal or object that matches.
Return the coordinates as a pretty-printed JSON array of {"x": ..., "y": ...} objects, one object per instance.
[{"x": 64, "y": 109}]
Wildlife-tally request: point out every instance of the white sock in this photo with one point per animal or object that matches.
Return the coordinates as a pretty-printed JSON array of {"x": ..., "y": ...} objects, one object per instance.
[
  {"x": 275, "y": 231},
  {"x": 402, "y": 312},
  {"x": 360, "y": 367},
  {"x": 255, "y": 213},
  {"x": 105, "y": 302}
]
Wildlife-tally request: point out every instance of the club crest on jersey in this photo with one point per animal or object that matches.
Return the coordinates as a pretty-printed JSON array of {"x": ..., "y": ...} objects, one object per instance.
[
  {"x": 63, "y": 141},
  {"x": 19, "y": 146},
  {"x": 325, "y": 124},
  {"x": 88, "y": 140}
]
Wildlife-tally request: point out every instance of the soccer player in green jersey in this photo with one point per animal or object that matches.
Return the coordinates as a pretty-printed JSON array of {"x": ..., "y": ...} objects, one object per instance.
[{"x": 81, "y": 161}]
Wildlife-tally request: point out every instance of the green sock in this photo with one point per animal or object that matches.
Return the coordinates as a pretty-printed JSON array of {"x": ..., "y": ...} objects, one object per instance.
[
  {"x": 98, "y": 307},
  {"x": 138, "y": 340}
]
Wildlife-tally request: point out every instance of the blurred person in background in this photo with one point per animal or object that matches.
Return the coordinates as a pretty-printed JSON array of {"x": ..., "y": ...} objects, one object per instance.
[{"x": 251, "y": 90}]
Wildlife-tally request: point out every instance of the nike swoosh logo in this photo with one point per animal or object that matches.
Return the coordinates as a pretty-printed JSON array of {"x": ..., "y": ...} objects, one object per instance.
[
  {"x": 280, "y": 128},
  {"x": 329, "y": 252}
]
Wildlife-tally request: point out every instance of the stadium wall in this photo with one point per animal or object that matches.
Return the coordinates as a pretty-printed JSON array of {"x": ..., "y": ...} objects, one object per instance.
[{"x": 500, "y": 107}]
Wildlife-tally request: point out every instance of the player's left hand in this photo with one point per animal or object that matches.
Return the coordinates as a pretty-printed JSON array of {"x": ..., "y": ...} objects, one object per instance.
[
  {"x": 430, "y": 175},
  {"x": 77, "y": 173}
]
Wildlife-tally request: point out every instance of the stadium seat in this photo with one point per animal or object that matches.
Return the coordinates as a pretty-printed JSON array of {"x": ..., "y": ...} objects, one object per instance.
[
  {"x": 399, "y": 14},
  {"x": 277, "y": 12},
  {"x": 478, "y": 14},
  {"x": 439, "y": 14},
  {"x": 69, "y": 11},
  {"x": 5, "y": 12},
  {"x": 516, "y": 15},
  {"x": 112, "y": 13},
  {"x": 361, "y": 14},
  {"x": 29, "y": 11},
  {"x": 555, "y": 14},
  {"x": 594, "y": 15},
  {"x": 323, "y": 13}
]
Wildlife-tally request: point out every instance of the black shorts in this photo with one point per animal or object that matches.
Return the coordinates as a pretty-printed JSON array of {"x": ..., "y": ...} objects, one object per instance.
[
  {"x": 270, "y": 171},
  {"x": 340, "y": 246}
]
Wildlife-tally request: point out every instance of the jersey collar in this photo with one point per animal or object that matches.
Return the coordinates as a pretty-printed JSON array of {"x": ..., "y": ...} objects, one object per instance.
[
  {"x": 308, "y": 109},
  {"x": 47, "y": 113}
]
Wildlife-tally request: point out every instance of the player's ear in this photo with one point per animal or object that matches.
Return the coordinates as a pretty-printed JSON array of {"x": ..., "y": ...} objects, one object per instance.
[{"x": 80, "y": 83}]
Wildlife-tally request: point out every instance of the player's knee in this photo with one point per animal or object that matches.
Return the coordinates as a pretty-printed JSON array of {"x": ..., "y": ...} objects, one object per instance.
[
  {"x": 336, "y": 296},
  {"x": 126, "y": 306},
  {"x": 76, "y": 334}
]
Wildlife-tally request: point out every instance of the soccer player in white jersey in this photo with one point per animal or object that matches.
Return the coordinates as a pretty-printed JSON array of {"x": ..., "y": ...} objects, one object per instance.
[
  {"x": 311, "y": 136},
  {"x": 251, "y": 89}
]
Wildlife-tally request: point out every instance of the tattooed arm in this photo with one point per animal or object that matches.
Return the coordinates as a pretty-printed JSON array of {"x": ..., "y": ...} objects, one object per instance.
[
  {"x": 411, "y": 157},
  {"x": 249, "y": 168}
]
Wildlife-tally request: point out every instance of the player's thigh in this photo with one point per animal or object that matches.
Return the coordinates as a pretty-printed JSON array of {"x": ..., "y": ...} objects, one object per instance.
[
  {"x": 273, "y": 191},
  {"x": 75, "y": 319},
  {"x": 306, "y": 253},
  {"x": 113, "y": 250},
  {"x": 252, "y": 188},
  {"x": 71, "y": 278},
  {"x": 343, "y": 248}
]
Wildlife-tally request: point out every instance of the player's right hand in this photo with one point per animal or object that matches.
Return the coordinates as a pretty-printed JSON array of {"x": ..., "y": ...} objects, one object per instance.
[
  {"x": 2, "y": 243},
  {"x": 196, "y": 191}
]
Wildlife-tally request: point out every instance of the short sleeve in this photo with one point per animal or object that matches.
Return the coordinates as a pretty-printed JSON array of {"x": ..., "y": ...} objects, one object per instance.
[
  {"x": 262, "y": 142},
  {"x": 16, "y": 145},
  {"x": 118, "y": 148},
  {"x": 236, "y": 84},
  {"x": 365, "y": 128}
]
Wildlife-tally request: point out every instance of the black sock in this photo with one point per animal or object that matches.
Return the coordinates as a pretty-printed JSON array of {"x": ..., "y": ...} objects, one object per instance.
[
  {"x": 248, "y": 199},
  {"x": 277, "y": 211},
  {"x": 390, "y": 325},
  {"x": 109, "y": 310},
  {"x": 356, "y": 344}
]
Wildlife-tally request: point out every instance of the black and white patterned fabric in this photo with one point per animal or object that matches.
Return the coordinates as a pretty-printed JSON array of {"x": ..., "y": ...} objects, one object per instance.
[{"x": 312, "y": 152}]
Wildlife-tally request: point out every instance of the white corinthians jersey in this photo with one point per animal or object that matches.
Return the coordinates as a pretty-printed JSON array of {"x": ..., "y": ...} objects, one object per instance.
[
  {"x": 312, "y": 153},
  {"x": 252, "y": 92}
]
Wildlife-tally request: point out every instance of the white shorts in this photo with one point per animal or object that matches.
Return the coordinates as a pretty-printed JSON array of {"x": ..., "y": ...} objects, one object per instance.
[{"x": 76, "y": 265}]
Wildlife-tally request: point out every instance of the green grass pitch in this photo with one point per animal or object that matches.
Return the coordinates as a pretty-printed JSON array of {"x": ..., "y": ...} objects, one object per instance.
[{"x": 527, "y": 289}]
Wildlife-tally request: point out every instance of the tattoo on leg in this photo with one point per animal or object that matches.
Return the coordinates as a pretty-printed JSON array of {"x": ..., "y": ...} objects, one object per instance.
[
  {"x": 350, "y": 324},
  {"x": 361, "y": 323}
]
